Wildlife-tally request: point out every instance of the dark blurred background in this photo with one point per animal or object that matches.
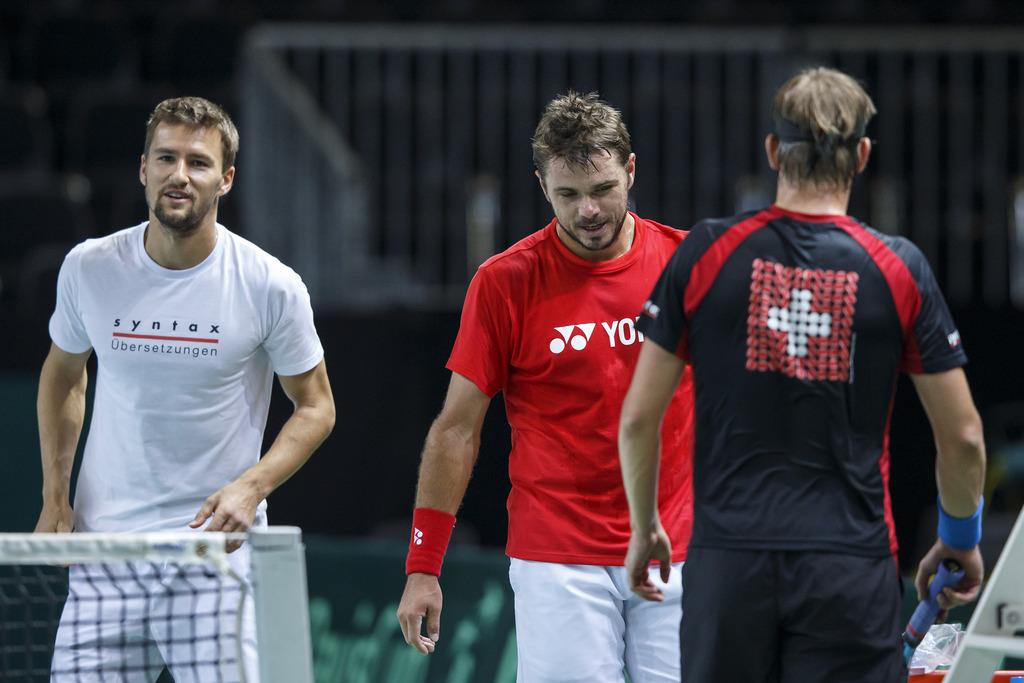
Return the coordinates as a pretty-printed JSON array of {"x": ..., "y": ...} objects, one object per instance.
[{"x": 385, "y": 153}]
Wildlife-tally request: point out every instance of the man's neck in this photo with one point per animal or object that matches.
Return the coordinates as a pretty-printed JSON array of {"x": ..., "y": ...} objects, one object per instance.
[
  {"x": 622, "y": 244},
  {"x": 811, "y": 201},
  {"x": 626, "y": 236},
  {"x": 174, "y": 251}
]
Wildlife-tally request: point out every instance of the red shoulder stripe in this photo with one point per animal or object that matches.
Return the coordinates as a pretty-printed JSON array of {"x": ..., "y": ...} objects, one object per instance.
[
  {"x": 905, "y": 294},
  {"x": 707, "y": 267}
]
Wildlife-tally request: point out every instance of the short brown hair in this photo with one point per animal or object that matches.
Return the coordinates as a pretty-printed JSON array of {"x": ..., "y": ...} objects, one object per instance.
[
  {"x": 574, "y": 127},
  {"x": 820, "y": 115},
  {"x": 196, "y": 112}
]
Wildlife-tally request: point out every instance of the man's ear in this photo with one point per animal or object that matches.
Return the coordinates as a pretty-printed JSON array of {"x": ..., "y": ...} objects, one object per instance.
[
  {"x": 543, "y": 187},
  {"x": 771, "y": 150},
  {"x": 863, "y": 153},
  {"x": 227, "y": 181}
]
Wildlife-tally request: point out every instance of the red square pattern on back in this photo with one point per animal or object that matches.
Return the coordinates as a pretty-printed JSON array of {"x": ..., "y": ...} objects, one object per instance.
[{"x": 800, "y": 321}]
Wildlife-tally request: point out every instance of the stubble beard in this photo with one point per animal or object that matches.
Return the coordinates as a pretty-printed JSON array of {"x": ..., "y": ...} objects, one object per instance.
[
  {"x": 590, "y": 245},
  {"x": 186, "y": 223}
]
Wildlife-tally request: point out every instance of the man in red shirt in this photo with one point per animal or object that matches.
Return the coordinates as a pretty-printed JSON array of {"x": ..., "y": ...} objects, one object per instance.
[{"x": 551, "y": 323}]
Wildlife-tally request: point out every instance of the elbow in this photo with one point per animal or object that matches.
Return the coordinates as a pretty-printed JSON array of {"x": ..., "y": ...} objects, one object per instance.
[
  {"x": 329, "y": 419},
  {"x": 628, "y": 424},
  {"x": 457, "y": 437},
  {"x": 633, "y": 424},
  {"x": 319, "y": 416},
  {"x": 970, "y": 437},
  {"x": 965, "y": 442},
  {"x": 452, "y": 439}
]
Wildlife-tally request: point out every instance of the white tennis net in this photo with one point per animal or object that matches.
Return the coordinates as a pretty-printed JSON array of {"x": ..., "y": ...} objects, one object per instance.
[{"x": 125, "y": 607}]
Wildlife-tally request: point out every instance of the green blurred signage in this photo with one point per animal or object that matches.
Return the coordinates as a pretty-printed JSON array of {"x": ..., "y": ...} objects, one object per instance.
[{"x": 354, "y": 589}]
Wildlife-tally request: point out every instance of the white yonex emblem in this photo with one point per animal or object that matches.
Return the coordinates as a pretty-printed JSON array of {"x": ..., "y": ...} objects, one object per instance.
[
  {"x": 576, "y": 341},
  {"x": 799, "y": 322},
  {"x": 417, "y": 536},
  {"x": 651, "y": 309}
]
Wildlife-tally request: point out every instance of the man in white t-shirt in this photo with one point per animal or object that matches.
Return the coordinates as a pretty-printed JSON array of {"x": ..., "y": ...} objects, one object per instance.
[{"x": 189, "y": 323}]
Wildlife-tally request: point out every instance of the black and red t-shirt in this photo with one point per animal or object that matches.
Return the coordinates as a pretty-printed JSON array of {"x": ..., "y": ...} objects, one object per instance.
[
  {"x": 797, "y": 327},
  {"x": 556, "y": 334}
]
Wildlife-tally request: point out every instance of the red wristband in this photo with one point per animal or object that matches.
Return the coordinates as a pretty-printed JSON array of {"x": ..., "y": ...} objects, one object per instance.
[{"x": 431, "y": 531}]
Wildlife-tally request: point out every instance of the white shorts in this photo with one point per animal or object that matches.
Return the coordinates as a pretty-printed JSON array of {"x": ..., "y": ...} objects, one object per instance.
[
  {"x": 581, "y": 623},
  {"x": 130, "y": 619}
]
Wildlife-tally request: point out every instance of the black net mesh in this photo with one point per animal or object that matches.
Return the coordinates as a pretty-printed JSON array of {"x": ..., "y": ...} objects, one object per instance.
[{"x": 121, "y": 621}]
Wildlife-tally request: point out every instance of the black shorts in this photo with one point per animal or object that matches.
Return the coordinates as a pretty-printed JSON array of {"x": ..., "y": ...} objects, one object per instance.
[{"x": 790, "y": 617}]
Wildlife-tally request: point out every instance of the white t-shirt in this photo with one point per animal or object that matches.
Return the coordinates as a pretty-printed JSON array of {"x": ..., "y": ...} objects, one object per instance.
[{"x": 186, "y": 363}]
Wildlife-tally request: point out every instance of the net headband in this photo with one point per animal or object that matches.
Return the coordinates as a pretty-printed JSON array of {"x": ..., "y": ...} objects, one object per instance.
[
  {"x": 84, "y": 548},
  {"x": 787, "y": 131}
]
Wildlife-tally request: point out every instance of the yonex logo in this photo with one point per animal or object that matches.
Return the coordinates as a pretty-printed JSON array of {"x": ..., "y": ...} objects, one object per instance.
[
  {"x": 569, "y": 337},
  {"x": 651, "y": 309},
  {"x": 799, "y": 322},
  {"x": 620, "y": 333},
  {"x": 417, "y": 536}
]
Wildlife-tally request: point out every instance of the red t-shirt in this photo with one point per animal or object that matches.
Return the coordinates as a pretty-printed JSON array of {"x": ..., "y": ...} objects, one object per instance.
[{"x": 557, "y": 335}]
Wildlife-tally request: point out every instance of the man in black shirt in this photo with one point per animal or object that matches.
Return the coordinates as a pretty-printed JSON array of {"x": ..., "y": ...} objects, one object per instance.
[{"x": 797, "y": 320}]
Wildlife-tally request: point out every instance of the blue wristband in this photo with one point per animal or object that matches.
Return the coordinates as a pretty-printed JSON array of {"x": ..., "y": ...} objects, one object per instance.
[{"x": 960, "y": 533}]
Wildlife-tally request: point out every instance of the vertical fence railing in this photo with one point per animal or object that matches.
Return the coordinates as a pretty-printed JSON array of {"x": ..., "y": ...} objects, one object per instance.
[{"x": 413, "y": 143}]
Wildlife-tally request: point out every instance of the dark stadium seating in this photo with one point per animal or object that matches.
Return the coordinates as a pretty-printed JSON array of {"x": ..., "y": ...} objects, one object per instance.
[
  {"x": 40, "y": 219},
  {"x": 105, "y": 133},
  {"x": 26, "y": 139},
  {"x": 196, "y": 53},
  {"x": 92, "y": 50}
]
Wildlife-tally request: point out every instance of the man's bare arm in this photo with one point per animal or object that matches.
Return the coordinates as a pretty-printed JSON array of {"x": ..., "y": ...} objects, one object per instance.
[
  {"x": 959, "y": 473},
  {"x": 452, "y": 444},
  {"x": 446, "y": 465},
  {"x": 60, "y": 409},
  {"x": 233, "y": 508},
  {"x": 959, "y": 439},
  {"x": 654, "y": 382}
]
